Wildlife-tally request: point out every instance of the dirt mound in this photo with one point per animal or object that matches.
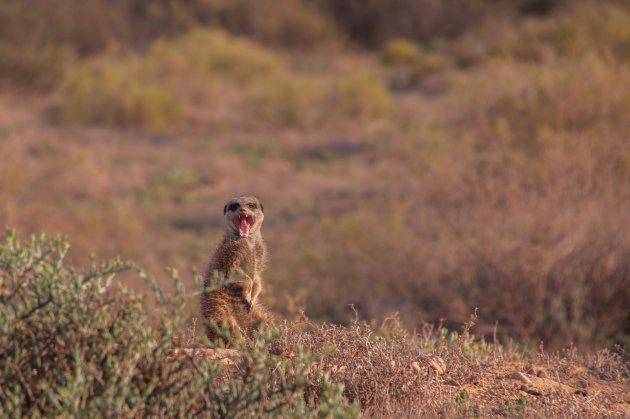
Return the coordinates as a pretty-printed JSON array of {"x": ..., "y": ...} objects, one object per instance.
[{"x": 512, "y": 386}]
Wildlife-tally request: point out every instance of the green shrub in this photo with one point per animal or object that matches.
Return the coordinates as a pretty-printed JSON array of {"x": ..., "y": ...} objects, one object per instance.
[
  {"x": 289, "y": 101},
  {"x": 307, "y": 101},
  {"x": 74, "y": 342},
  {"x": 211, "y": 53},
  {"x": 400, "y": 51},
  {"x": 116, "y": 92},
  {"x": 155, "y": 89},
  {"x": 360, "y": 96},
  {"x": 589, "y": 28},
  {"x": 408, "y": 64}
]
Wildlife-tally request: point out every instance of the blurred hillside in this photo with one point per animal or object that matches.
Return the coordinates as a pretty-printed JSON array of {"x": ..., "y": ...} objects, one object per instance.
[{"x": 421, "y": 157}]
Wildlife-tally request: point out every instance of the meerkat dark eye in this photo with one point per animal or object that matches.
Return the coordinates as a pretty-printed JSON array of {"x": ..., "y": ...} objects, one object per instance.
[
  {"x": 252, "y": 206},
  {"x": 233, "y": 206}
]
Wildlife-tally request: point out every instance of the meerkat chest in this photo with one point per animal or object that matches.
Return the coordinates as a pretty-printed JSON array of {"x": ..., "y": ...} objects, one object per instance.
[
  {"x": 256, "y": 250},
  {"x": 247, "y": 257},
  {"x": 237, "y": 255}
]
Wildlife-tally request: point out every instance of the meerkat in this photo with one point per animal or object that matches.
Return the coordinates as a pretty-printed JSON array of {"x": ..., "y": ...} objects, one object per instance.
[{"x": 241, "y": 253}]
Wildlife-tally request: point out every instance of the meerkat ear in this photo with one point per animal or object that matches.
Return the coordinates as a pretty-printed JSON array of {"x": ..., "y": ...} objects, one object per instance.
[
  {"x": 224, "y": 209},
  {"x": 261, "y": 207}
]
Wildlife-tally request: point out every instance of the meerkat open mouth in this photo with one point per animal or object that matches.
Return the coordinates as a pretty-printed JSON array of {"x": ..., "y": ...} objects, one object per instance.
[{"x": 243, "y": 223}]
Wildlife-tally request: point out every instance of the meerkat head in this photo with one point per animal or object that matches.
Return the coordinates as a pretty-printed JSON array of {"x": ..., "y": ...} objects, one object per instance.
[{"x": 243, "y": 215}]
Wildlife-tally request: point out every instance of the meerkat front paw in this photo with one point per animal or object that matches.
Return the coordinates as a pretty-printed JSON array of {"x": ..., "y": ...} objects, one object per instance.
[{"x": 249, "y": 305}]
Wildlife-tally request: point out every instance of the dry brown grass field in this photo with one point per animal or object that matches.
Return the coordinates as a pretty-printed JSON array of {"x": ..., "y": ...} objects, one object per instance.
[{"x": 475, "y": 158}]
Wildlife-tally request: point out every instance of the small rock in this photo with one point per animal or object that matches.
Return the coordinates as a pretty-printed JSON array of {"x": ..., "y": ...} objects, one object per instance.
[
  {"x": 581, "y": 392},
  {"x": 224, "y": 356},
  {"x": 337, "y": 369},
  {"x": 534, "y": 392},
  {"x": 521, "y": 377},
  {"x": 438, "y": 365},
  {"x": 416, "y": 366},
  {"x": 541, "y": 374}
]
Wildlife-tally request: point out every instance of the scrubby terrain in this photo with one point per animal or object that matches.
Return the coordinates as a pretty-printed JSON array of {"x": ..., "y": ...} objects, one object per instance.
[
  {"x": 417, "y": 160},
  {"x": 75, "y": 342},
  {"x": 476, "y": 158}
]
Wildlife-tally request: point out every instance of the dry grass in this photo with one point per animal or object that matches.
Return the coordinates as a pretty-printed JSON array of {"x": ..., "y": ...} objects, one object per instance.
[{"x": 437, "y": 372}]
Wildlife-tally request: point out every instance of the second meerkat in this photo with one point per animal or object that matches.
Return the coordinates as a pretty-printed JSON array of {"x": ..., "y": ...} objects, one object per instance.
[{"x": 242, "y": 252}]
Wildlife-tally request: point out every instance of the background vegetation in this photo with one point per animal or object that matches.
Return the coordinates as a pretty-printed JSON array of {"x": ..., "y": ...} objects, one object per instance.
[{"x": 414, "y": 157}]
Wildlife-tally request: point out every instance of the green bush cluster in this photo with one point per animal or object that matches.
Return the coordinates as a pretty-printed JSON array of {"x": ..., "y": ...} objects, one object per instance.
[
  {"x": 602, "y": 27},
  {"x": 114, "y": 92},
  {"x": 408, "y": 63},
  {"x": 400, "y": 51},
  {"x": 153, "y": 90},
  {"x": 156, "y": 89},
  {"x": 405, "y": 53},
  {"x": 289, "y": 101},
  {"x": 210, "y": 53},
  {"x": 307, "y": 101},
  {"x": 76, "y": 342}
]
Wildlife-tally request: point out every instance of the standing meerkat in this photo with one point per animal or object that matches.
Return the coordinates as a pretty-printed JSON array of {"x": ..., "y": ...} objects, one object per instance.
[{"x": 240, "y": 253}]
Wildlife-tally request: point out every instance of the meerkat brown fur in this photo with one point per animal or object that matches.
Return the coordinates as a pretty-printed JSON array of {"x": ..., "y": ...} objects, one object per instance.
[{"x": 241, "y": 253}]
